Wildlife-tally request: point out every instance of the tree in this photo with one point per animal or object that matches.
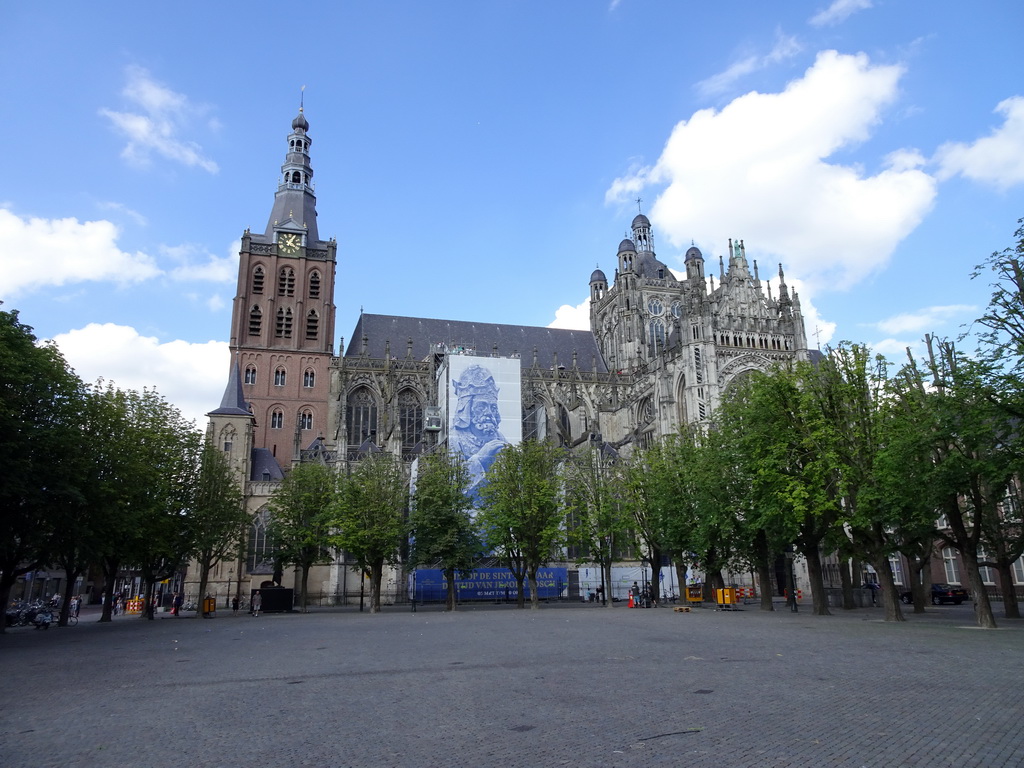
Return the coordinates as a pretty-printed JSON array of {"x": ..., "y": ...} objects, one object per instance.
[
  {"x": 369, "y": 517},
  {"x": 787, "y": 452},
  {"x": 168, "y": 453},
  {"x": 599, "y": 522},
  {"x": 40, "y": 401},
  {"x": 441, "y": 524},
  {"x": 217, "y": 513},
  {"x": 522, "y": 516},
  {"x": 301, "y": 519}
]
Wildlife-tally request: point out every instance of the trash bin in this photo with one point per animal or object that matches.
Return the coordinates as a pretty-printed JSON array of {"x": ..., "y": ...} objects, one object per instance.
[{"x": 209, "y": 606}]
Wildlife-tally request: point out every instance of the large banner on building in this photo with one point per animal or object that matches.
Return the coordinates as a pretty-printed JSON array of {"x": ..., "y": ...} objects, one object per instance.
[
  {"x": 429, "y": 584},
  {"x": 483, "y": 408}
]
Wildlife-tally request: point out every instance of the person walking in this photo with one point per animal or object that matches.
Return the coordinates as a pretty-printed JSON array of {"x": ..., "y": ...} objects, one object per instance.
[
  {"x": 257, "y": 603},
  {"x": 179, "y": 598},
  {"x": 234, "y": 605}
]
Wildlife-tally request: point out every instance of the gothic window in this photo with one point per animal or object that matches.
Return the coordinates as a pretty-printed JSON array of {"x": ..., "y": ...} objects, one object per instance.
[
  {"x": 284, "y": 324},
  {"x": 314, "y": 285},
  {"x": 684, "y": 417},
  {"x": 410, "y": 419},
  {"x": 312, "y": 325},
  {"x": 677, "y": 309},
  {"x": 255, "y": 321},
  {"x": 306, "y": 419},
  {"x": 656, "y": 334},
  {"x": 250, "y": 374},
  {"x": 227, "y": 437},
  {"x": 260, "y": 550},
  {"x": 257, "y": 280},
  {"x": 296, "y": 178},
  {"x": 280, "y": 377},
  {"x": 286, "y": 282},
  {"x": 309, "y": 378},
  {"x": 655, "y": 307},
  {"x": 277, "y": 419},
  {"x": 645, "y": 413},
  {"x": 360, "y": 416}
]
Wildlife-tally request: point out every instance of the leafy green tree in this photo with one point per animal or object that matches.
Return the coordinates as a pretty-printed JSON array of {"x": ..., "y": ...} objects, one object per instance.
[
  {"x": 301, "y": 519},
  {"x": 441, "y": 523},
  {"x": 788, "y": 453},
  {"x": 167, "y": 451},
  {"x": 974, "y": 451},
  {"x": 599, "y": 523},
  {"x": 370, "y": 517},
  {"x": 40, "y": 400},
  {"x": 217, "y": 516},
  {"x": 523, "y": 517}
]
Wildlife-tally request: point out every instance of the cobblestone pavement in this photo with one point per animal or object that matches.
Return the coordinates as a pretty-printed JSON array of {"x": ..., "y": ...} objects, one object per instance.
[{"x": 562, "y": 686}]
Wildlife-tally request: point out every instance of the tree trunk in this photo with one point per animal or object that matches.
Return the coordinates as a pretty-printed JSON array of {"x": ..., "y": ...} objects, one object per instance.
[
  {"x": 819, "y": 604},
  {"x": 848, "y": 583},
  {"x": 449, "y": 598},
  {"x": 376, "y": 574},
  {"x": 110, "y": 569},
  {"x": 982, "y": 605},
  {"x": 1011, "y": 608},
  {"x": 70, "y": 576},
  {"x": 534, "y": 597},
  {"x": 764, "y": 572},
  {"x": 890, "y": 597},
  {"x": 6, "y": 583},
  {"x": 304, "y": 589},
  {"x": 606, "y": 571}
]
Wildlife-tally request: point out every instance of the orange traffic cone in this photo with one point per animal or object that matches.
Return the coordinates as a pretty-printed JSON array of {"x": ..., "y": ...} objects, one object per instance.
[{"x": 630, "y": 604}]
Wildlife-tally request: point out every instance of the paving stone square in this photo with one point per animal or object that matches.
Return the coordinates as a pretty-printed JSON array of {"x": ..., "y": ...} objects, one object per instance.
[{"x": 576, "y": 685}]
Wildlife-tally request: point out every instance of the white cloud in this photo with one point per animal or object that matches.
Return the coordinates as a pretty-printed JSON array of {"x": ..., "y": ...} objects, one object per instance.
[
  {"x": 784, "y": 48},
  {"x": 923, "y": 320},
  {"x": 157, "y": 128},
  {"x": 194, "y": 263},
  {"x": 758, "y": 170},
  {"x": 37, "y": 253},
  {"x": 996, "y": 159},
  {"x": 121, "y": 208},
  {"x": 190, "y": 376},
  {"x": 838, "y": 12},
  {"x": 572, "y": 318}
]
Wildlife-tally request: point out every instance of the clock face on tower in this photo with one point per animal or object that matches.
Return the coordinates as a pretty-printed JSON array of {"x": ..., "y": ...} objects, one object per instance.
[{"x": 288, "y": 243}]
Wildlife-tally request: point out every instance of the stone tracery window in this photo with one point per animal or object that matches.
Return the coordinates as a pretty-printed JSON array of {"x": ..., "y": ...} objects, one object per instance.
[
  {"x": 360, "y": 416},
  {"x": 410, "y": 419}
]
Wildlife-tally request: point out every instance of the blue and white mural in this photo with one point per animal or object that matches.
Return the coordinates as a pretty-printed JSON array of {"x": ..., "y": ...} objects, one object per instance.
[{"x": 484, "y": 410}]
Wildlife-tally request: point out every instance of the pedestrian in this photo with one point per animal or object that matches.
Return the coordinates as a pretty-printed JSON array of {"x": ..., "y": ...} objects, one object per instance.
[
  {"x": 234, "y": 605},
  {"x": 635, "y": 592},
  {"x": 257, "y": 603},
  {"x": 179, "y": 598}
]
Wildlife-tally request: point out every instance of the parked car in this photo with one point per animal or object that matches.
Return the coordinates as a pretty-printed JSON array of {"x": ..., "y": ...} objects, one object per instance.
[{"x": 941, "y": 593}]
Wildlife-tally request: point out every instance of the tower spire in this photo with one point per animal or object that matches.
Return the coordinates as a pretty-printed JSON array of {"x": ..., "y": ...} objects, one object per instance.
[{"x": 295, "y": 202}]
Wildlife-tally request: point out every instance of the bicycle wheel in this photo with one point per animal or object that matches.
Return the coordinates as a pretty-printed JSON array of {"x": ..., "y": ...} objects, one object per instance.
[{"x": 72, "y": 621}]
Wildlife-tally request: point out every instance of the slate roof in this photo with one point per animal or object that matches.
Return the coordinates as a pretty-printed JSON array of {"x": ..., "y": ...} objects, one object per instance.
[
  {"x": 233, "y": 403},
  {"x": 483, "y": 338}
]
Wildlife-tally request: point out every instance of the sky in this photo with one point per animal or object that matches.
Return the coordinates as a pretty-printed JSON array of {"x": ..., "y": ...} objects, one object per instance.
[{"x": 476, "y": 160}]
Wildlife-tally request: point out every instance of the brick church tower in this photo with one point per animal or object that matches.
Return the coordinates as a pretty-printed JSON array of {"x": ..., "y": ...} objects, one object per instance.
[{"x": 282, "y": 320}]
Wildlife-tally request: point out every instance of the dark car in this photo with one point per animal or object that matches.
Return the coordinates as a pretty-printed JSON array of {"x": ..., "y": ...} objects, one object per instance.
[{"x": 941, "y": 593}]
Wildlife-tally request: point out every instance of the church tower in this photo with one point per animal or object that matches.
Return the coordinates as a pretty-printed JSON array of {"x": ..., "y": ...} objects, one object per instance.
[{"x": 282, "y": 321}]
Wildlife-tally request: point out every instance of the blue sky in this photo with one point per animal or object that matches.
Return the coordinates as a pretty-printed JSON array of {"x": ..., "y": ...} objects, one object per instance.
[{"x": 476, "y": 160}]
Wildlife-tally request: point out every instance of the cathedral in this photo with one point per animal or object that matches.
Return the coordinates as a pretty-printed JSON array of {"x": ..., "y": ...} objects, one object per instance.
[{"x": 660, "y": 353}]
